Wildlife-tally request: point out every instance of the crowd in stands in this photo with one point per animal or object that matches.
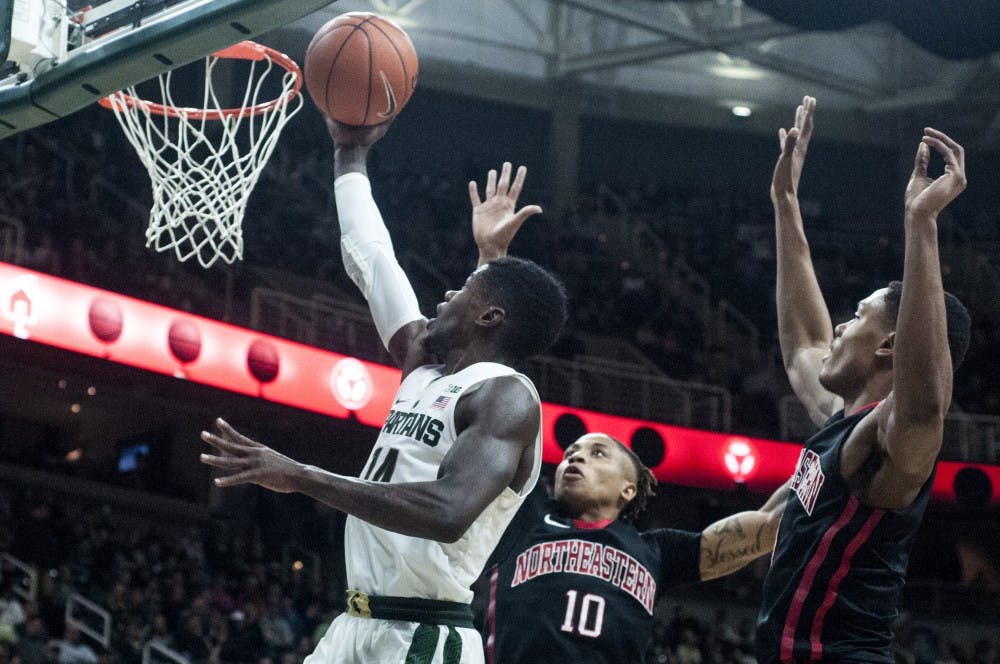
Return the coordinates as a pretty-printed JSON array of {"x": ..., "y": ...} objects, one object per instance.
[
  {"x": 208, "y": 596},
  {"x": 642, "y": 262}
]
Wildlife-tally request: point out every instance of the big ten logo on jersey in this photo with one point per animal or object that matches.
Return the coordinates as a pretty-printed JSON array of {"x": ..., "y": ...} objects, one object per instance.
[
  {"x": 417, "y": 426},
  {"x": 808, "y": 479}
]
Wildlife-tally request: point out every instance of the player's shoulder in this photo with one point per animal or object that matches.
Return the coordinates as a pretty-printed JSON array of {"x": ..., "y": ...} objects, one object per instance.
[
  {"x": 497, "y": 385},
  {"x": 669, "y": 536},
  {"x": 481, "y": 372},
  {"x": 422, "y": 376},
  {"x": 678, "y": 553}
]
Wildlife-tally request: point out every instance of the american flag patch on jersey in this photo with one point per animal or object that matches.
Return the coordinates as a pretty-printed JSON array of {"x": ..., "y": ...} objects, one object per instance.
[{"x": 441, "y": 402}]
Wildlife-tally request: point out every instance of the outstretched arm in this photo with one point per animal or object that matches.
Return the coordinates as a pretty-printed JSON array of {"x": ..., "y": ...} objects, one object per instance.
[
  {"x": 485, "y": 458},
  {"x": 731, "y": 543},
  {"x": 911, "y": 420},
  {"x": 494, "y": 219},
  {"x": 367, "y": 249},
  {"x": 804, "y": 327}
]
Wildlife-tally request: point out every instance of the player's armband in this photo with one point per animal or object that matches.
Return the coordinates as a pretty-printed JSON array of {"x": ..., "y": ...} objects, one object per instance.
[{"x": 369, "y": 258}]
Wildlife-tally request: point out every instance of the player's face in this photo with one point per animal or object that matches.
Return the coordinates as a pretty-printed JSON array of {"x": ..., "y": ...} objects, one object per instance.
[
  {"x": 859, "y": 346},
  {"x": 454, "y": 323},
  {"x": 594, "y": 472}
]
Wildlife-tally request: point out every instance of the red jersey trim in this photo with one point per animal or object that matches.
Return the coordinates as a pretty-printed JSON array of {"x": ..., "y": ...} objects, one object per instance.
[
  {"x": 805, "y": 585},
  {"x": 815, "y": 637},
  {"x": 866, "y": 406},
  {"x": 491, "y": 617}
]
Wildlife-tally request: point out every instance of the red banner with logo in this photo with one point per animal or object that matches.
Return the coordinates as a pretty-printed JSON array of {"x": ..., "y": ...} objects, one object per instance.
[{"x": 79, "y": 318}]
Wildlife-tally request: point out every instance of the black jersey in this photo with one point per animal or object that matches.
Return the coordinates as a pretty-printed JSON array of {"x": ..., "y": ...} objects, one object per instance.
[
  {"x": 838, "y": 565},
  {"x": 560, "y": 591}
]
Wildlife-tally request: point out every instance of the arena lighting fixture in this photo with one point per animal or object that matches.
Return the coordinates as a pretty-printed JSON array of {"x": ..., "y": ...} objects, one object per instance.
[
  {"x": 738, "y": 69},
  {"x": 740, "y": 459},
  {"x": 136, "y": 333},
  {"x": 742, "y": 111},
  {"x": 736, "y": 72}
]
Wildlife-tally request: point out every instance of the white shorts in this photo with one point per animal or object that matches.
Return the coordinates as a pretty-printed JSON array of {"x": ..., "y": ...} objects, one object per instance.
[{"x": 352, "y": 640}]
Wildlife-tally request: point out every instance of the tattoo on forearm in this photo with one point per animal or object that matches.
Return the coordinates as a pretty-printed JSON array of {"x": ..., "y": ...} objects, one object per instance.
[
  {"x": 730, "y": 525},
  {"x": 732, "y": 545}
]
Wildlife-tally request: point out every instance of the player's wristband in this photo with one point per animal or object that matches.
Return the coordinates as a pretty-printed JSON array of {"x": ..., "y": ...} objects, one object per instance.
[{"x": 369, "y": 257}]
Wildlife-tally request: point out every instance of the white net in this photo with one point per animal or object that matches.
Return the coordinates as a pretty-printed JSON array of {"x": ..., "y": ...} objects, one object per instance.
[{"x": 204, "y": 162}]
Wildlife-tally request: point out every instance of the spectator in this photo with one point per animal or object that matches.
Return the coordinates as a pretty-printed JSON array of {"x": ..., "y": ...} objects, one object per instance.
[
  {"x": 11, "y": 609},
  {"x": 33, "y": 640},
  {"x": 72, "y": 649}
]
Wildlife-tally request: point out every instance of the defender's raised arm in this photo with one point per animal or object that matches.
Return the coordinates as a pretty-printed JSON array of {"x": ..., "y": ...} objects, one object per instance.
[
  {"x": 911, "y": 421},
  {"x": 804, "y": 327},
  {"x": 495, "y": 218}
]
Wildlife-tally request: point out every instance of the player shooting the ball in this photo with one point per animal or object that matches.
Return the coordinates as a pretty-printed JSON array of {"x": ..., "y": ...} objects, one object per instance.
[{"x": 459, "y": 450}]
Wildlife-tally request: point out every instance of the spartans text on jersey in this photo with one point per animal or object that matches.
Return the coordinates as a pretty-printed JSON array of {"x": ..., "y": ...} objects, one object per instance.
[{"x": 418, "y": 426}]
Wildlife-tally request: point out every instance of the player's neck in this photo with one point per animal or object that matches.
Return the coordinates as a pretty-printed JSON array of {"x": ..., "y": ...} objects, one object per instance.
[
  {"x": 460, "y": 358},
  {"x": 595, "y": 514},
  {"x": 877, "y": 389}
]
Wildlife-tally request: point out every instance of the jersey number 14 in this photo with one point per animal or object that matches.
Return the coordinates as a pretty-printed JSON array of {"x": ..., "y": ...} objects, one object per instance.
[
  {"x": 591, "y": 615},
  {"x": 381, "y": 473}
]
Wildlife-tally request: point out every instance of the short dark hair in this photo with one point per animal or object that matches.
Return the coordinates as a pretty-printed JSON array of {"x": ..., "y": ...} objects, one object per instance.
[
  {"x": 533, "y": 300},
  {"x": 959, "y": 322},
  {"x": 645, "y": 482}
]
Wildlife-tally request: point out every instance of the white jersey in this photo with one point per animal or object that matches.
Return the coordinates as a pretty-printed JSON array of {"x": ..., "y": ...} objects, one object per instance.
[{"x": 417, "y": 434}]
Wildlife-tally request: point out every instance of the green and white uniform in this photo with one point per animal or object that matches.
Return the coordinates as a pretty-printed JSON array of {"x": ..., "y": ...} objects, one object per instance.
[{"x": 417, "y": 434}]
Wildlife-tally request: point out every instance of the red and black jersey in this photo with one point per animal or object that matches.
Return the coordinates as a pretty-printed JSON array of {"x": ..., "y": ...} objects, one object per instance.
[
  {"x": 559, "y": 590},
  {"x": 838, "y": 565}
]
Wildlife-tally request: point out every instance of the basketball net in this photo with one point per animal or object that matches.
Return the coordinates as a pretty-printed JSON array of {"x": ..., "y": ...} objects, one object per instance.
[{"x": 204, "y": 162}]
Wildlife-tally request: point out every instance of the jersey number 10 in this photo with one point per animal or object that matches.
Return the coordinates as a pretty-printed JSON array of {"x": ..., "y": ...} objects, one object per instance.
[{"x": 591, "y": 620}]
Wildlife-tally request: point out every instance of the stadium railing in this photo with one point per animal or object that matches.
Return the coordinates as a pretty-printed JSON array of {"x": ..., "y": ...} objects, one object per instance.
[
  {"x": 89, "y": 617},
  {"x": 157, "y": 653},
  {"x": 23, "y": 575}
]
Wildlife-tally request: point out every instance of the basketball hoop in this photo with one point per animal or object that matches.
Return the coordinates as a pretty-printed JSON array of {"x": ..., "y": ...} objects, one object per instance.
[{"x": 204, "y": 162}]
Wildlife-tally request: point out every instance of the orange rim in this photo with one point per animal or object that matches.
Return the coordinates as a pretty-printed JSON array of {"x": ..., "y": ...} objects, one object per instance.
[{"x": 245, "y": 50}]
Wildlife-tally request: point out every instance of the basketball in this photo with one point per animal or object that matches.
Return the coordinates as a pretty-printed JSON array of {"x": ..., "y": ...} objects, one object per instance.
[
  {"x": 184, "y": 340},
  {"x": 360, "y": 69}
]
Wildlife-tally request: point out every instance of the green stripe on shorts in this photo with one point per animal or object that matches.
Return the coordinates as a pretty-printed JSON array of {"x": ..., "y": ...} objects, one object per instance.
[
  {"x": 453, "y": 647},
  {"x": 423, "y": 645}
]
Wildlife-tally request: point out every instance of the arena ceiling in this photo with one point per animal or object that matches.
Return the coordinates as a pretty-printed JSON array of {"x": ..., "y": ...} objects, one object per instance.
[{"x": 692, "y": 62}]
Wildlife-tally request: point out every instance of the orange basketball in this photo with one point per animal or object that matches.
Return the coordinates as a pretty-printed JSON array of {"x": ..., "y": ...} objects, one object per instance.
[{"x": 360, "y": 69}]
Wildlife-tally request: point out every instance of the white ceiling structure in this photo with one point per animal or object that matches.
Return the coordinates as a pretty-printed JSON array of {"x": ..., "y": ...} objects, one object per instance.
[{"x": 690, "y": 62}]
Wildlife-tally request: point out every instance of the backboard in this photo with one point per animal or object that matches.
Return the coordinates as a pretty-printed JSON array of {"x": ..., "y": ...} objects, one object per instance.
[{"x": 61, "y": 57}]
